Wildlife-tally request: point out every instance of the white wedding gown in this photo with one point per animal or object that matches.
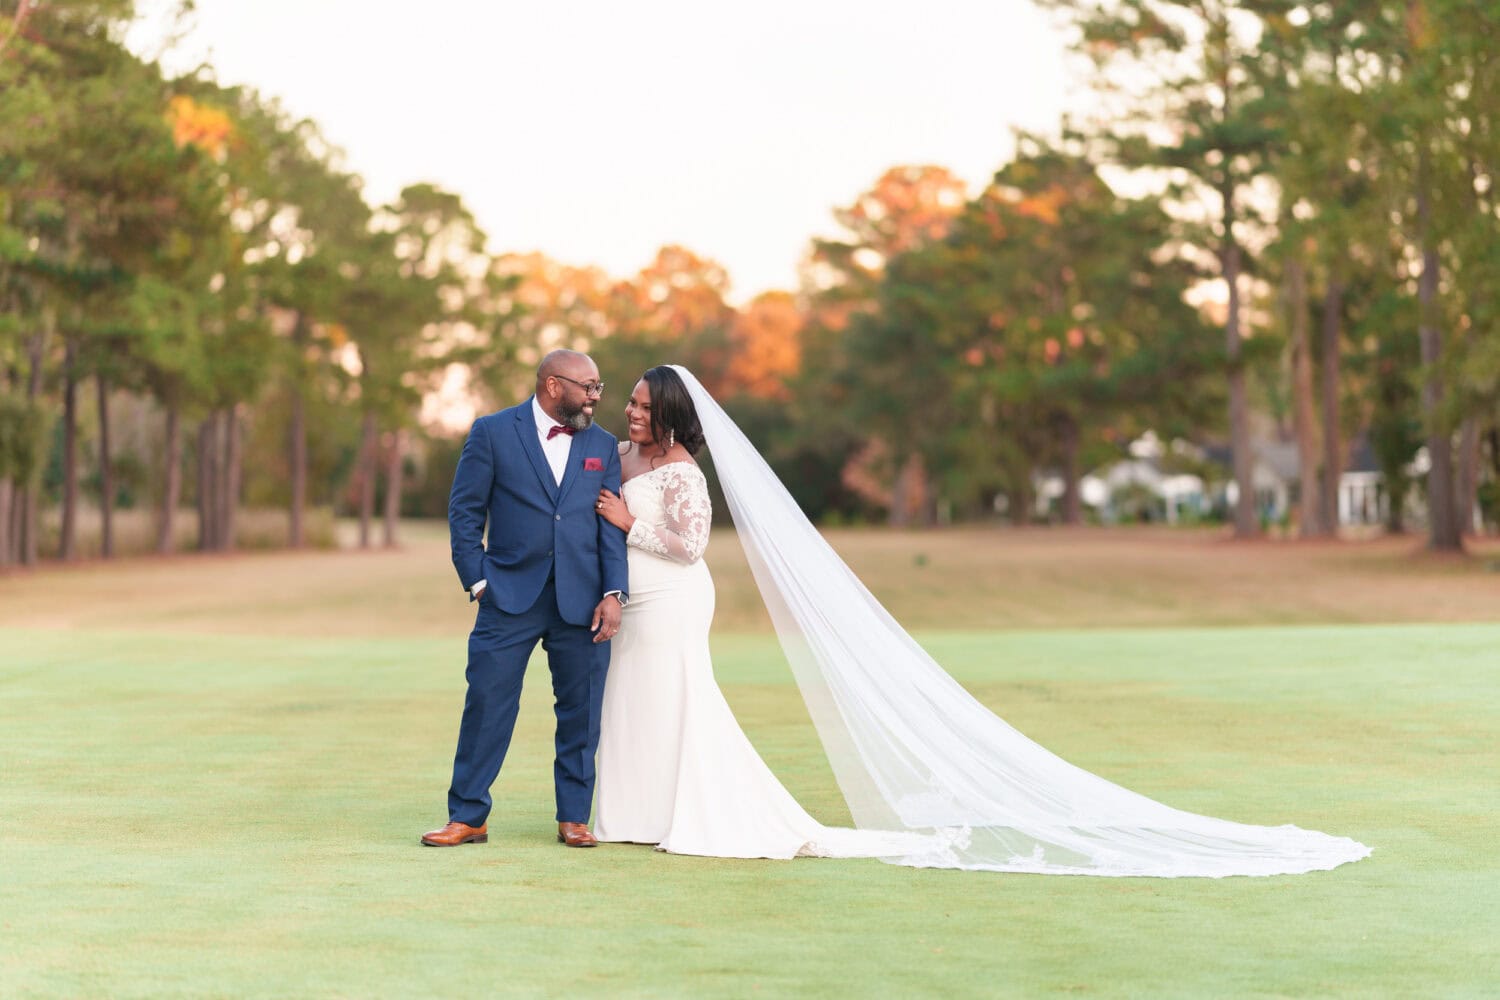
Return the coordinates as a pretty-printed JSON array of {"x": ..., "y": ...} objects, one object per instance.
[
  {"x": 914, "y": 754},
  {"x": 674, "y": 767}
]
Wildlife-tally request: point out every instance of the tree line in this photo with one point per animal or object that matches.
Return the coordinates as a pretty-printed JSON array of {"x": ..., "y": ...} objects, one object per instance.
[
  {"x": 1335, "y": 161},
  {"x": 1281, "y": 215}
]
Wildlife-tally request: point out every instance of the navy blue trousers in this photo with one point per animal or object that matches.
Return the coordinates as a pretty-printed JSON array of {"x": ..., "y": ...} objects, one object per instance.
[{"x": 499, "y": 647}]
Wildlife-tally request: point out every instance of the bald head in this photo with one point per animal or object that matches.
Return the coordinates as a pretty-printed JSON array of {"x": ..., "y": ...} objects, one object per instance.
[
  {"x": 565, "y": 363},
  {"x": 560, "y": 387}
]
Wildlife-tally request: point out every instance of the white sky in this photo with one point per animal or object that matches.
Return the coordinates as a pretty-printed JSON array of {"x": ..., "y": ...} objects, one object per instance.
[{"x": 598, "y": 131}]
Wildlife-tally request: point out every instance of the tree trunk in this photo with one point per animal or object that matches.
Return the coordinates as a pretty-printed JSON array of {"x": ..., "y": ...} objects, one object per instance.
[
  {"x": 393, "y": 475},
  {"x": 1442, "y": 512},
  {"x": 1492, "y": 439},
  {"x": 11, "y": 528},
  {"x": 229, "y": 478},
  {"x": 27, "y": 515},
  {"x": 7, "y": 498},
  {"x": 1395, "y": 517},
  {"x": 1468, "y": 476},
  {"x": 27, "y": 526},
  {"x": 367, "y": 465},
  {"x": 900, "y": 501},
  {"x": 1246, "y": 523},
  {"x": 8, "y": 504},
  {"x": 7, "y": 529},
  {"x": 1333, "y": 450},
  {"x": 1025, "y": 500},
  {"x": 67, "y": 546},
  {"x": 207, "y": 477},
  {"x": 1068, "y": 443},
  {"x": 1309, "y": 513},
  {"x": 106, "y": 475},
  {"x": 297, "y": 446},
  {"x": 922, "y": 496},
  {"x": 297, "y": 440},
  {"x": 910, "y": 494},
  {"x": 172, "y": 483}
]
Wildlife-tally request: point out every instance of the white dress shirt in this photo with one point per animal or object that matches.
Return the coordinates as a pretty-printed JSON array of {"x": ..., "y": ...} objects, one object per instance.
[{"x": 556, "y": 449}]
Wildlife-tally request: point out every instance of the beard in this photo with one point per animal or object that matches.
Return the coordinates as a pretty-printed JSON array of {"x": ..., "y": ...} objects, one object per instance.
[{"x": 575, "y": 417}]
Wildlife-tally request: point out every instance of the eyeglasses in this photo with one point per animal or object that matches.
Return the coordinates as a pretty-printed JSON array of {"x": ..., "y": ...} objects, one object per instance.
[{"x": 591, "y": 388}]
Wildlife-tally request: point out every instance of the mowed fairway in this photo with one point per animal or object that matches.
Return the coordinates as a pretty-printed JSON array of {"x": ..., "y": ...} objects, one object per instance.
[{"x": 213, "y": 774}]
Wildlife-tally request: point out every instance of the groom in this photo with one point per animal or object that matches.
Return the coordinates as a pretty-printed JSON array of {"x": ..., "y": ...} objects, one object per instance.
[{"x": 553, "y": 571}]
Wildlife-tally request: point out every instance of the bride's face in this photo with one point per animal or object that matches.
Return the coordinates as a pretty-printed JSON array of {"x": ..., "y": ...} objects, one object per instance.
[{"x": 638, "y": 413}]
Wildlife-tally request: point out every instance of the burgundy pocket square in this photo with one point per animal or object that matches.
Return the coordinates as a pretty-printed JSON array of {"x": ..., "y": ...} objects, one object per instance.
[{"x": 593, "y": 465}]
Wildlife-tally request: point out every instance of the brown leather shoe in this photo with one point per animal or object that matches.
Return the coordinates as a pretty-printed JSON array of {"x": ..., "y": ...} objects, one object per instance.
[
  {"x": 575, "y": 835},
  {"x": 456, "y": 833}
]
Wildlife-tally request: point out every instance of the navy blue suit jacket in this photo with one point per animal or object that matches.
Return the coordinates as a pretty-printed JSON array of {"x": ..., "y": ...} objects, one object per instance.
[{"x": 537, "y": 528}]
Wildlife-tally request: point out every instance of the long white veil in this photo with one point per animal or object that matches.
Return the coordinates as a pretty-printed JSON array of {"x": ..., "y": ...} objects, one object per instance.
[{"x": 912, "y": 750}]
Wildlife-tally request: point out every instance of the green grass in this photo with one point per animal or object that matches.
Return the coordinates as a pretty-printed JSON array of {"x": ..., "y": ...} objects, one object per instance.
[{"x": 184, "y": 814}]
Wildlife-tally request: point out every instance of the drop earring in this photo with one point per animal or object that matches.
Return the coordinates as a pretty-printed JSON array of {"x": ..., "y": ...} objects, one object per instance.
[{"x": 671, "y": 438}]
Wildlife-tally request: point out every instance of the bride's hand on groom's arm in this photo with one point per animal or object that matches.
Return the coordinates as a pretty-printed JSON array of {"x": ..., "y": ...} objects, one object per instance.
[{"x": 613, "y": 510}]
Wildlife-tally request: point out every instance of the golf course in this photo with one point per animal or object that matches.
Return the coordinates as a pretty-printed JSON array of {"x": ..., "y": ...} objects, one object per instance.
[{"x": 216, "y": 768}]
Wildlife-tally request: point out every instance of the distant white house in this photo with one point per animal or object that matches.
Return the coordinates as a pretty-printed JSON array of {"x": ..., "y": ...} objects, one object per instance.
[
  {"x": 1362, "y": 495},
  {"x": 1138, "y": 487},
  {"x": 1134, "y": 488}
]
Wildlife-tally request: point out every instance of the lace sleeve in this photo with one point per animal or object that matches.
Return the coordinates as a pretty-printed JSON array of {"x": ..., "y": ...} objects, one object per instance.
[{"x": 688, "y": 513}]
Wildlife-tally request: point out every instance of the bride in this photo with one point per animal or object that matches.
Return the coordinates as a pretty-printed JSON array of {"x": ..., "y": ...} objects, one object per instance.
[
  {"x": 674, "y": 767},
  {"x": 932, "y": 778}
]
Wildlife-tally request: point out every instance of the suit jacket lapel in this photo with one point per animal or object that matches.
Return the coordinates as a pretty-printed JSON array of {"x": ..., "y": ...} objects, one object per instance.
[
  {"x": 526, "y": 431},
  {"x": 570, "y": 472}
]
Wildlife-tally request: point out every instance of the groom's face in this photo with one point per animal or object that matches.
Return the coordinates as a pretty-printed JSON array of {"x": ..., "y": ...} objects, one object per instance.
[{"x": 575, "y": 407}]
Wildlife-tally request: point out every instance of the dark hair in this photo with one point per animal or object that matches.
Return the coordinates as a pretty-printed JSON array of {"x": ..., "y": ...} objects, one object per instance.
[{"x": 673, "y": 416}]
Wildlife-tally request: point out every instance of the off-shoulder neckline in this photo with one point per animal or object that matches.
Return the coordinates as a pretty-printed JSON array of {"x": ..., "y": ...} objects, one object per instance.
[{"x": 659, "y": 468}]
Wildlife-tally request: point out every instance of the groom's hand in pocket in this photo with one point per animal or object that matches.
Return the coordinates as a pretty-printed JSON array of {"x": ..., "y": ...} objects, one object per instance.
[{"x": 606, "y": 619}]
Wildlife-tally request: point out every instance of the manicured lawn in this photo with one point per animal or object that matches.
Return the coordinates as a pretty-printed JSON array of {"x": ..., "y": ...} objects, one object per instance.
[{"x": 193, "y": 814}]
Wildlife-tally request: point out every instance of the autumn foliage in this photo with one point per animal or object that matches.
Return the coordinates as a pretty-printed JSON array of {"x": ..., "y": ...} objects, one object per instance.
[{"x": 766, "y": 351}]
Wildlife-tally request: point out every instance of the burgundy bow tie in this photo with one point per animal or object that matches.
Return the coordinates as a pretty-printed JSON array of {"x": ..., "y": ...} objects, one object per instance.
[{"x": 557, "y": 429}]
